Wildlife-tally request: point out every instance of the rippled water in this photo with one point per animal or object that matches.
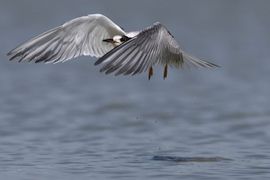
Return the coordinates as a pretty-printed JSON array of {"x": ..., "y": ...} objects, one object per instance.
[{"x": 68, "y": 121}]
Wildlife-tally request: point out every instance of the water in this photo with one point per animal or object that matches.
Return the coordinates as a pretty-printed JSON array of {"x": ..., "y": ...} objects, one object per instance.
[{"x": 68, "y": 121}]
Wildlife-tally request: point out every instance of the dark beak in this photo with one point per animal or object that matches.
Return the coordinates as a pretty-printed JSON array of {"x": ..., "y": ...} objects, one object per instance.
[{"x": 108, "y": 40}]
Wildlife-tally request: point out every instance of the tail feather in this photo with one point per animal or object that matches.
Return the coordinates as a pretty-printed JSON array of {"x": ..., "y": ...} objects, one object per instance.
[{"x": 198, "y": 62}]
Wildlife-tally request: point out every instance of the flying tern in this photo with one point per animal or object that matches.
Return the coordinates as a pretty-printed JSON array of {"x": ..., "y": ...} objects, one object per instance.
[{"x": 120, "y": 52}]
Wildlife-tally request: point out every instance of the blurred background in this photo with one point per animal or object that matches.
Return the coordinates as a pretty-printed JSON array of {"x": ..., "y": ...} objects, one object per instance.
[{"x": 68, "y": 121}]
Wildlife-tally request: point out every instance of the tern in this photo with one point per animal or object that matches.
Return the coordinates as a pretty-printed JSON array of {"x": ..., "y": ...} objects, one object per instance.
[{"x": 119, "y": 52}]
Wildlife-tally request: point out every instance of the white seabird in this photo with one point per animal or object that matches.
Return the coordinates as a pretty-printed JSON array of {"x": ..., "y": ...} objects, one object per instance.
[{"x": 118, "y": 51}]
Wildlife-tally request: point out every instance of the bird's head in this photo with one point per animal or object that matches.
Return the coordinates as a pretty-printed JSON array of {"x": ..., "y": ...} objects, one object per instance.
[{"x": 117, "y": 40}]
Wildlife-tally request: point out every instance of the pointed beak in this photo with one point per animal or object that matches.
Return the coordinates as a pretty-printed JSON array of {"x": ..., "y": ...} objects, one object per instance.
[{"x": 108, "y": 40}]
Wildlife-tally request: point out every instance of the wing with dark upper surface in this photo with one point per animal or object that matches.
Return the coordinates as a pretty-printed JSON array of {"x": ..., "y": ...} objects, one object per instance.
[
  {"x": 155, "y": 45},
  {"x": 80, "y": 36}
]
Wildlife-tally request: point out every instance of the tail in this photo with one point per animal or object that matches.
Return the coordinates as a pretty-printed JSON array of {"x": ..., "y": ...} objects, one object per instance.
[{"x": 187, "y": 58}]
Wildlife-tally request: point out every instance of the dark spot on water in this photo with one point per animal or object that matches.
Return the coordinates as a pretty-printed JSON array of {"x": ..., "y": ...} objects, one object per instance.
[{"x": 189, "y": 159}]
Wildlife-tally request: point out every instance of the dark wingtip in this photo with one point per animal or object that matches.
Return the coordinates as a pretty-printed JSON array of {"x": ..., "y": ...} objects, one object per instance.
[
  {"x": 9, "y": 54},
  {"x": 96, "y": 63},
  {"x": 214, "y": 65},
  {"x": 13, "y": 54},
  {"x": 12, "y": 57},
  {"x": 99, "y": 61}
]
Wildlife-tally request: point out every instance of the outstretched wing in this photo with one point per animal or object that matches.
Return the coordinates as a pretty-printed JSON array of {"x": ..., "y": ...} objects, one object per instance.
[
  {"x": 80, "y": 36},
  {"x": 155, "y": 45}
]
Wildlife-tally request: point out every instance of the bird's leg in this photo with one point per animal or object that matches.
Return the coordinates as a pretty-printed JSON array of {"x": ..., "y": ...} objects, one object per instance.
[
  {"x": 150, "y": 72},
  {"x": 165, "y": 73}
]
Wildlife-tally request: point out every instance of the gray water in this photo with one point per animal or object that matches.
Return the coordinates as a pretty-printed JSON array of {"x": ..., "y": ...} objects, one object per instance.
[{"x": 68, "y": 121}]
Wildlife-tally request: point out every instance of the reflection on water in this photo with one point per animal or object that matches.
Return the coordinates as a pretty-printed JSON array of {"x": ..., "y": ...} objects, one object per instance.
[
  {"x": 190, "y": 159},
  {"x": 68, "y": 121}
]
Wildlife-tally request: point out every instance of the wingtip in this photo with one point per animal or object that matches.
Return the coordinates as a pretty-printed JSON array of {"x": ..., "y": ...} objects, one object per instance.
[
  {"x": 11, "y": 56},
  {"x": 212, "y": 65},
  {"x": 9, "y": 53},
  {"x": 97, "y": 63}
]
